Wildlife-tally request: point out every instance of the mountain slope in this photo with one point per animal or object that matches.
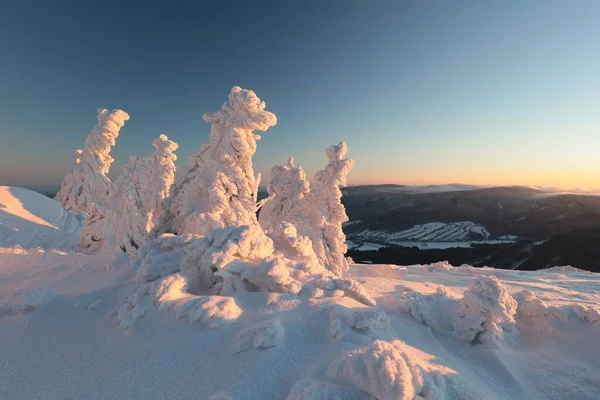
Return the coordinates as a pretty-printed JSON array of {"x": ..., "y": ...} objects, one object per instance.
[{"x": 30, "y": 219}]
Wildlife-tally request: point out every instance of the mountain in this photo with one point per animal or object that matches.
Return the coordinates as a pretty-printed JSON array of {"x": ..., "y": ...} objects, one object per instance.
[
  {"x": 501, "y": 211},
  {"x": 507, "y": 227}
]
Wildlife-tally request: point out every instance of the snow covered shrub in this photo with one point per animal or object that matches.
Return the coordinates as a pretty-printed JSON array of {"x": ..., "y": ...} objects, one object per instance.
[
  {"x": 383, "y": 370},
  {"x": 87, "y": 183},
  {"x": 485, "y": 311},
  {"x": 316, "y": 211},
  {"x": 220, "y": 189}
]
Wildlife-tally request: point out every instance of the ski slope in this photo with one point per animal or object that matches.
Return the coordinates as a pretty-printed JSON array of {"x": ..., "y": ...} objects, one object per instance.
[{"x": 76, "y": 326}]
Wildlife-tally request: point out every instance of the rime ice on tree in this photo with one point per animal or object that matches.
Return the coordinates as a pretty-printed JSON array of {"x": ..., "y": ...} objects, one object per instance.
[
  {"x": 125, "y": 218},
  {"x": 161, "y": 175},
  {"x": 87, "y": 182},
  {"x": 287, "y": 189},
  {"x": 220, "y": 188},
  {"x": 316, "y": 211}
]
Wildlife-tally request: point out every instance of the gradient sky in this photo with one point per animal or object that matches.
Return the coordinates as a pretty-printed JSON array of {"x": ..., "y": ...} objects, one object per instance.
[{"x": 424, "y": 92}]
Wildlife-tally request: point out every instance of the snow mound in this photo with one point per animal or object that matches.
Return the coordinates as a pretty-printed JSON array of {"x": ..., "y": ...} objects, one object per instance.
[
  {"x": 37, "y": 298},
  {"x": 364, "y": 320},
  {"x": 170, "y": 293},
  {"x": 438, "y": 266},
  {"x": 261, "y": 335},
  {"x": 566, "y": 269},
  {"x": 30, "y": 219},
  {"x": 386, "y": 371},
  {"x": 535, "y": 315},
  {"x": 485, "y": 311}
]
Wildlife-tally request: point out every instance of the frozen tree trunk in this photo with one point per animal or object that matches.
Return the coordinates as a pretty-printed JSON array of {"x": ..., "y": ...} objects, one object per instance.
[
  {"x": 220, "y": 188},
  {"x": 87, "y": 183}
]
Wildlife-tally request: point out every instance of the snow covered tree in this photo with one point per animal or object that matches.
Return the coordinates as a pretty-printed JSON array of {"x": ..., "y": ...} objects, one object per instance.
[
  {"x": 287, "y": 189},
  {"x": 120, "y": 222},
  {"x": 316, "y": 211},
  {"x": 125, "y": 218},
  {"x": 87, "y": 182},
  {"x": 220, "y": 188},
  {"x": 161, "y": 175}
]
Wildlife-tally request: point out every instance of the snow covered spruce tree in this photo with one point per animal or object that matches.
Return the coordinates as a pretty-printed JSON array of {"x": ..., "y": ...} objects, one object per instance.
[
  {"x": 316, "y": 211},
  {"x": 161, "y": 175},
  {"x": 125, "y": 218},
  {"x": 120, "y": 221},
  {"x": 220, "y": 189},
  {"x": 287, "y": 189},
  {"x": 87, "y": 183}
]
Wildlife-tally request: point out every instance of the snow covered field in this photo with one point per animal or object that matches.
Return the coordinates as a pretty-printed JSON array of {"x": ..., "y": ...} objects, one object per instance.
[
  {"x": 60, "y": 336},
  {"x": 433, "y": 235}
]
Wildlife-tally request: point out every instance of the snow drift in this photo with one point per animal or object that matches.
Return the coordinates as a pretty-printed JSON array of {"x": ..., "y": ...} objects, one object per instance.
[{"x": 30, "y": 219}]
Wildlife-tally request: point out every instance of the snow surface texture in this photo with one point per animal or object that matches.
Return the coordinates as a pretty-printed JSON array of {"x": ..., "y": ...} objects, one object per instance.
[
  {"x": 283, "y": 345},
  {"x": 30, "y": 219},
  {"x": 88, "y": 183},
  {"x": 315, "y": 211},
  {"x": 220, "y": 188}
]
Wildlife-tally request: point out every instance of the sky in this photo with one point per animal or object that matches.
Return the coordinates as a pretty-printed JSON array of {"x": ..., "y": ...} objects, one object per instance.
[{"x": 423, "y": 92}]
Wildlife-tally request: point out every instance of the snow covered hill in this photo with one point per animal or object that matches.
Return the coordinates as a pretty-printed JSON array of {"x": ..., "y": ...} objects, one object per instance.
[
  {"x": 59, "y": 318},
  {"x": 30, "y": 219}
]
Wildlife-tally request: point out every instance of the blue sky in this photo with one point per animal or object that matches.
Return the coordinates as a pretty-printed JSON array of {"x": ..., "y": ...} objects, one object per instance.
[{"x": 423, "y": 92}]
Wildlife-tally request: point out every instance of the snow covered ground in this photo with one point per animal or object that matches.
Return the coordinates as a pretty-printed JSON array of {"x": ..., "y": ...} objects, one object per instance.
[
  {"x": 30, "y": 219},
  {"x": 76, "y": 326}
]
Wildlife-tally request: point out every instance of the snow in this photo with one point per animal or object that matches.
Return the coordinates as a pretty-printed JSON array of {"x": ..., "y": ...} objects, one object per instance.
[
  {"x": 30, "y": 219},
  {"x": 305, "y": 346}
]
